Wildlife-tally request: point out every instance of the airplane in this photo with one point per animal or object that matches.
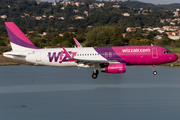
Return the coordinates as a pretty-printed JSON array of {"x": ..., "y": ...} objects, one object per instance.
[{"x": 108, "y": 59}]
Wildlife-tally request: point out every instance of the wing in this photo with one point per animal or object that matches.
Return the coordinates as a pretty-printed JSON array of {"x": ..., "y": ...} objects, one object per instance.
[{"x": 88, "y": 63}]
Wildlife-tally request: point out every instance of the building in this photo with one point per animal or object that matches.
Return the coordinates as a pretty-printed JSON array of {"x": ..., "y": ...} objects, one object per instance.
[
  {"x": 38, "y": 2},
  {"x": 61, "y": 34},
  {"x": 100, "y": 5},
  {"x": 76, "y": 11},
  {"x": 175, "y": 27},
  {"x": 51, "y": 16},
  {"x": 172, "y": 23},
  {"x": 124, "y": 35},
  {"x": 167, "y": 28},
  {"x": 44, "y": 16},
  {"x": 77, "y": 4},
  {"x": 126, "y": 14},
  {"x": 78, "y": 17},
  {"x": 162, "y": 21},
  {"x": 131, "y": 29},
  {"x": 158, "y": 37},
  {"x": 175, "y": 14},
  {"x": 54, "y": 4},
  {"x": 168, "y": 20},
  {"x": 3, "y": 16},
  {"x": 91, "y": 6},
  {"x": 174, "y": 37},
  {"x": 116, "y": 6},
  {"x": 44, "y": 34},
  {"x": 113, "y": 0},
  {"x": 61, "y": 18},
  {"x": 86, "y": 13},
  {"x": 38, "y": 18},
  {"x": 27, "y": 14}
]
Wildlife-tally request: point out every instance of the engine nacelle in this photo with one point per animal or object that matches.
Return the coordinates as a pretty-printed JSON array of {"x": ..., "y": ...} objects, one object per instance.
[{"x": 114, "y": 68}]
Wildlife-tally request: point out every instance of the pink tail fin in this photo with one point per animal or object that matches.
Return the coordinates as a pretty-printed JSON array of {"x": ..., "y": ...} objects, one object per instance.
[{"x": 17, "y": 38}]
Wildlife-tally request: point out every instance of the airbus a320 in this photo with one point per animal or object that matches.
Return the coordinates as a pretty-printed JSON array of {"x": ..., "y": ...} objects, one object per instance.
[{"x": 108, "y": 59}]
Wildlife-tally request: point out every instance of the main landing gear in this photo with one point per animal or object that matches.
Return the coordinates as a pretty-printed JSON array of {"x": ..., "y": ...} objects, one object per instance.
[
  {"x": 154, "y": 72},
  {"x": 95, "y": 74}
]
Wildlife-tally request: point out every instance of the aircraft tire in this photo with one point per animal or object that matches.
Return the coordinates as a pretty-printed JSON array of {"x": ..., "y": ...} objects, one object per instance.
[
  {"x": 154, "y": 72},
  {"x": 94, "y": 76}
]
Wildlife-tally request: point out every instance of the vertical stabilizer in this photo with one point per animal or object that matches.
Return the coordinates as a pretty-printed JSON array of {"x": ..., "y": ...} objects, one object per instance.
[{"x": 17, "y": 38}]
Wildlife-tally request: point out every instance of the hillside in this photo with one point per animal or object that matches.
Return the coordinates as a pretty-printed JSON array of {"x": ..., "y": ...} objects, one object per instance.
[{"x": 137, "y": 5}]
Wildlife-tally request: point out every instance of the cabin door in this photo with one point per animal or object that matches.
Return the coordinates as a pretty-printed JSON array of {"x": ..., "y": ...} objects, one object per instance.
[
  {"x": 154, "y": 53},
  {"x": 38, "y": 57}
]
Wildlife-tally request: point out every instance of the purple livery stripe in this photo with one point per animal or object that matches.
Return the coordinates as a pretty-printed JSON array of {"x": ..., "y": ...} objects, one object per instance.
[
  {"x": 109, "y": 54},
  {"x": 17, "y": 37}
]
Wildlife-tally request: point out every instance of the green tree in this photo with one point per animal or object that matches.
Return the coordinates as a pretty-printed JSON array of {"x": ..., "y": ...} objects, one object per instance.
[
  {"x": 127, "y": 38},
  {"x": 140, "y": 42},
  {"x": 56, "y": 40},
  {"x": 138, "y": 36},
  {"x": 165, "y": 41},
  {"x": 105, "y": 36}
]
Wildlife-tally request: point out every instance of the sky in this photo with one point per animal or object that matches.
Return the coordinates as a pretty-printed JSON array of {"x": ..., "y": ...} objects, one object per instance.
[{"x": 146, "y": 1}]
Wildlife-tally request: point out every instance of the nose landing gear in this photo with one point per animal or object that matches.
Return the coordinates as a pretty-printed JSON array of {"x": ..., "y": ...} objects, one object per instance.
[{"x": 154, "y": 72}]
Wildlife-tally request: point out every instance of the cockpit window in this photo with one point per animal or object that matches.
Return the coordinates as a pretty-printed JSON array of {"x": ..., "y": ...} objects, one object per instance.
[{"x": 166, "y": 52}]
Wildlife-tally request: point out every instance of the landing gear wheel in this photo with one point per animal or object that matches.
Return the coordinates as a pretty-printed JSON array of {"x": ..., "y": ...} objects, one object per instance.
[
  {"x": 94, "y": 76},
  {"x": 154, "y": 73}
]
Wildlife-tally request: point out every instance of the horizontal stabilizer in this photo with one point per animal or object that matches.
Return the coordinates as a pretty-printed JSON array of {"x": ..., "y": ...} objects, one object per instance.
[{"x": 14, "y": 54}]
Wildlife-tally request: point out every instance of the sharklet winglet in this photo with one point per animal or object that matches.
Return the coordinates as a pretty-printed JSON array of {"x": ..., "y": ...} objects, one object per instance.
[{"x": 77, "y": 43}]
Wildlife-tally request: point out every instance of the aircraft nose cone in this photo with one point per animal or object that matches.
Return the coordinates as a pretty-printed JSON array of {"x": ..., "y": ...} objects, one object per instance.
[{"x": 174, "y": 57}]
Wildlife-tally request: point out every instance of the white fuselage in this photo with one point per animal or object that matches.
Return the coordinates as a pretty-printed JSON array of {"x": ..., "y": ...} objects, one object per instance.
[{"x": 55, "y": 56}]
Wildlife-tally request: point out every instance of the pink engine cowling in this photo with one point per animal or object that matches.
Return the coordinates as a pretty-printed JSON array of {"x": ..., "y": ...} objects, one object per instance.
[{"x": 114, "y": 68}]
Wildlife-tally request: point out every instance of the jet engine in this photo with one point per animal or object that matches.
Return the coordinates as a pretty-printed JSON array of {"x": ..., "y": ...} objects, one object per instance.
[{"x": 114, "y": 68}]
